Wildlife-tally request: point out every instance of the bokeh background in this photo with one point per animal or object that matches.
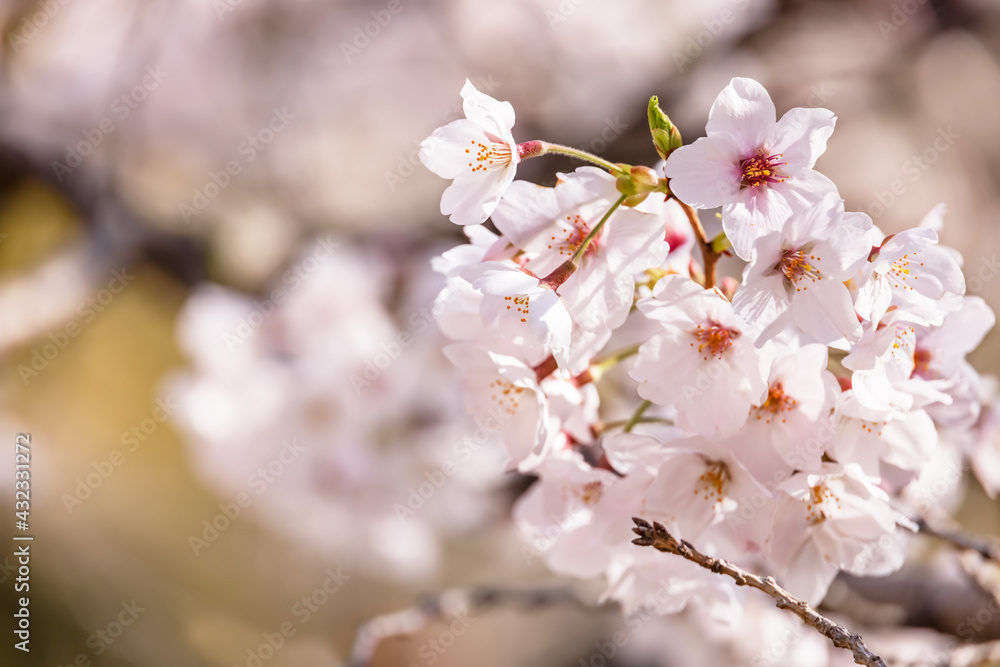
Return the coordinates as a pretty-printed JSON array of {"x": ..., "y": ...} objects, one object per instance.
[{"x": 215, "y": 244}]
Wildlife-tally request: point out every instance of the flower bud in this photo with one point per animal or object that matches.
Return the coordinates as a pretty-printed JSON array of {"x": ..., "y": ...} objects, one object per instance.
[
  {"x": 666, "y": 138},
  {"x": 636, "y": 183},
  {"x": 720, "y": 244}
]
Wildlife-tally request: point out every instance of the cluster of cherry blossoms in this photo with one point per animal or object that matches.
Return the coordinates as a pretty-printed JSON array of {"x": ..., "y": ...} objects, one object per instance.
[
  {"x": 789, "y": 422},
  {"x": 302, "y": 404}
]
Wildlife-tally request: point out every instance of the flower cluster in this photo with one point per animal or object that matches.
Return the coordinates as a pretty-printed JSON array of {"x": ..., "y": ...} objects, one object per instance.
[
  {"x": 779, "y": 421},
  {"x": 323, "y": 403}
]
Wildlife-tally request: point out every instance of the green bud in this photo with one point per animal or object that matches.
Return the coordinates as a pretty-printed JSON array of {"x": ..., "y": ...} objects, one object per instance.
[
  {"x": 666, "y": 138},
  {"x": 721, "y": 244},
  {"x": 636, "y": 183}
]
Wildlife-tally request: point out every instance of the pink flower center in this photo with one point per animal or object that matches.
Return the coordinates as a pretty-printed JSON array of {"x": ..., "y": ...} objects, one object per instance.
[
  {"x": 506, "y": 395},
  {"x": 777, "y": 402},
  {"x": 922, "y": 364},
  {"x": 591, "y": 492},
  {"x": 899, "y": 272},
  {"x": 714, "y": 339},
  {"x": 797, "y": 266},
  {"x": 820, "y": 504},
  {"x": 488, "y": 156},
  {"x": 761, "y": 169},
  {"x": 712, "y": 483},
  {"x": 519, "y": 302},
  {"x": 571, "y": 235}
]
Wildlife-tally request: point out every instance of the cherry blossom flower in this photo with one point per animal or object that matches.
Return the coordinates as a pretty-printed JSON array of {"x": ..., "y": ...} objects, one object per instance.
[
  {"x": 550, "y": 224},
  {"x": 478, "y": 153},
  {"x": 800, "y": 397},
  {"x": 756, "y": 169},
  {"x": 795, "y": 281},
  {"x": 517, "y": 306},
  {"x": 832, "y": 520},
  {"x": 891, "y": 448},
  {"x": 503, "y": 394},
  {"x": 909, "y": 270},
  {"x": 701, "y": 360}
]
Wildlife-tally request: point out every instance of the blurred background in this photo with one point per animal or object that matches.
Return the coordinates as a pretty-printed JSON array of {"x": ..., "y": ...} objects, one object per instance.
[{"x": 215, "y": 294}]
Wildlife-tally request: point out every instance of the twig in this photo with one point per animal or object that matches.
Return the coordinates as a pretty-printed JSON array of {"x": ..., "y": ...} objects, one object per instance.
[
  {"x": 448, "y": 603},
  {"x": 985, "y": 548},
  {"x": 656, "y": 536},
  {"x": 708, "y": 255}
]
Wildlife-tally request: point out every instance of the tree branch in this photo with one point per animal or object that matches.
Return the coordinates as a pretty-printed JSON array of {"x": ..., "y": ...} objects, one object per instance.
[
  {"x": 985, "y": 548},
  {"x": 449, "y": 603},
  {"x": 656, "y": 536}
]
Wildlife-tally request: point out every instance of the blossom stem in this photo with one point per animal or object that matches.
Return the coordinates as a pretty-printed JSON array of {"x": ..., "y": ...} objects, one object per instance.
[
  {"x": 617, "y": 357},
  {"x": 637, "y": 416},
  {"x": 598, "y": 369},
  {"x": 582, "y": 155},
  {"x": 708, "y": 254},
  {"x": 578, "y": 255},
  {"x": 659, "y": 538}
]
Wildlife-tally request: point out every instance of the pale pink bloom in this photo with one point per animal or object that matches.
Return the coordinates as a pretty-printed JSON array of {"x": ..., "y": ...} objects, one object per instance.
[
  {"x": 578, "y": 515},
  {"x": 478, "y": 152},
  {"x": 795, "y": 282},
  {"x": 911, "y": 272},
  {"x": 790, "y": 428},
  {"x": 578, "y": 518},
  {"x": 517, "y": 306},
  {"x": 939, "y": 359},
  {"x": 892, "y": 448},
  {"x": 982, "y": 442},
  {"x": 758, "y": 170},
  {"x": 503, "y": 395},
  {"x": 831, "y": 521},
  {"x": 550, "y": 224},
  {"x": 702, "y": 361}
]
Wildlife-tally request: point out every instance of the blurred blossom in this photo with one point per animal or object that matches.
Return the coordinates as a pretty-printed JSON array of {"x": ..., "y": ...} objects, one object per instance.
[{"x": 317, "y": 374}]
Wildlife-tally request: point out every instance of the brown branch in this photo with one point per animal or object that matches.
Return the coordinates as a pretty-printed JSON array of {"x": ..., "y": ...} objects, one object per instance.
[
  {"x": 449, "y": 603},
  {"x": 656, "y": 536},
  {"x": 708, "y": 256},
  {"x": 984, "y": 547}
]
